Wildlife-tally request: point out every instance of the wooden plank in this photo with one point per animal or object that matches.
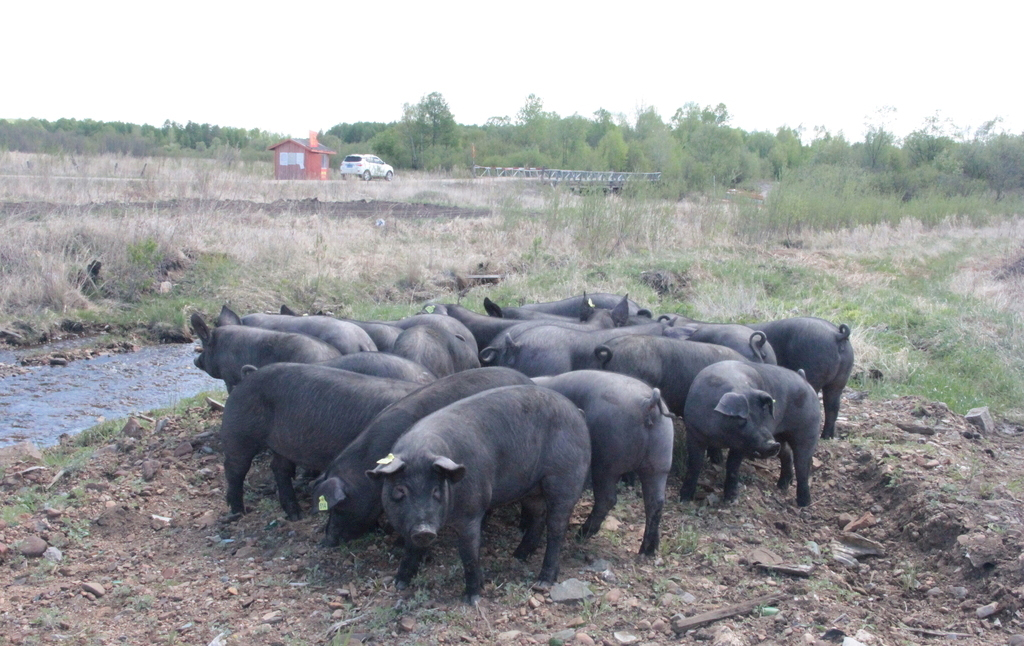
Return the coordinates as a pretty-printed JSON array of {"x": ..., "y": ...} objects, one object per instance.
[{"x": 682, "y": 625}]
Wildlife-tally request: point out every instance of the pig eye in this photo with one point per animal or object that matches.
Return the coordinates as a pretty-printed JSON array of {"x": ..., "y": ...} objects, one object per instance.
[{"x": 398, "y": 493}]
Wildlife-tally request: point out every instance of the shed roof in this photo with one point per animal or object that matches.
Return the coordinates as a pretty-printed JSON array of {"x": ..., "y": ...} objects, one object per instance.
[{"x": 318, "y": 148}]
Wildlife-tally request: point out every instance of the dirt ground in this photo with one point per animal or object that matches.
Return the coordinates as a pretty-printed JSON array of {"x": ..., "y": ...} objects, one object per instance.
[{"x": 944, "y": 510}]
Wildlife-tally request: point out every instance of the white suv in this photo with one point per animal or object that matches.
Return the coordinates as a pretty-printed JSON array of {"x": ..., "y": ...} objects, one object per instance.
[{"x": 365, "y": 166}]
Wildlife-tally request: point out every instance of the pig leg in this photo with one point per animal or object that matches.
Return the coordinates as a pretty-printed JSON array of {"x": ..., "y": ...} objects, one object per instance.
[
  {"x": 532, "y": 524},
  {"x": 831, "y": 394},
  {"x": 605, "y": 498},
  {"x": 469, "y": 552},
  {"x": 802, "y": 458},
  {"x": 732, "y": 474},
  {"x": 653, "y": 484},
  {"x": 237, "y": 460},
  {"x": 284, "y": 471},
  {"x": 694, "y": 463},
  {"x": 409, "y": 566},
  {"x": 786, "y": 458},
  {"x": 560, "y": 502}
]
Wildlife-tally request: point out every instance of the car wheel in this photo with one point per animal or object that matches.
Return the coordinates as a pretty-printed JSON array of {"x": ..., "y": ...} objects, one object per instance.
[
  {"x": 366, "y": 175},
  {"x": 388, "y": 177}
]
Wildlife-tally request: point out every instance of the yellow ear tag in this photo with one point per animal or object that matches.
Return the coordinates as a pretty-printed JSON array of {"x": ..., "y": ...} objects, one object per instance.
[
  {"x": 323, "y": 504},
  {"x": 429, "y": 309},
  {"x": 590, "y": 302},
  {"x": 387, "y": 459}
]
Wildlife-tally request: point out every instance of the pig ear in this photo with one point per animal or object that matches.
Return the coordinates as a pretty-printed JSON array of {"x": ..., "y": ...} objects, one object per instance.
[
  {"x": 766, "y": 400},
  {"x": 460, "y": 338},
  {"x": 287, "y": 311},
  {"x": 733, "y": 405},
  {"x": 488, "y": 355},
  {"x": 644, "y": 312},
  {"x": 586, "y": 309},
  {"x": 449, "y": 469},
  {"x": 493, "y": 308},
  {"x": 510, "y": 344},
  {"x": 227, "y": 317},
  {"x": 620, "y": 314},
  {"x": 248, "y": 369},
  {"x": 199, "y": 325},
  {"x": 328, "y": 493},
  {"x": 391, "y": 467},
  {"x": 803, "y": 375}
]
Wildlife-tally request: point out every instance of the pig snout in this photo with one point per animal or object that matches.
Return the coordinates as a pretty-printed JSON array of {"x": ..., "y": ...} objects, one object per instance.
[
  {"x": 422, "y": 536},
  {"x": 769, "y": 450}
]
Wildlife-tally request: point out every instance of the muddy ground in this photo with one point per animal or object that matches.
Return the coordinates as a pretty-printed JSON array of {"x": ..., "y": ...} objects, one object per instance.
[{"x": 945, "y": 509}]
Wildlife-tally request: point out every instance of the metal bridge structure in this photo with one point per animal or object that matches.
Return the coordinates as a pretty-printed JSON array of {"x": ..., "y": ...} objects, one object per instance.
[{"x": 575, "y": 179}]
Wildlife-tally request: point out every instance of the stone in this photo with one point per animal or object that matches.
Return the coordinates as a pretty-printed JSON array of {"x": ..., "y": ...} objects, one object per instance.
[
  {"x": 724, "y": 636},
  {"x": 164, "y": 287},
  {"x": 845, "y": 519},
  {"x": 1016, "y": 640},
  {"x": 934, "y": 592},
  {"x": 866, "y": 520},
  {"x": 584, "y": 639},
  {"x": 208, "y": 519},
  {"x": 4, "y": 551},
  {"x": 32, "y": 547},
  {"x": 667, "y": 599},
  {"x": 687, "y": 598},
  {"x": 150, "y": 469},
  {"x": 95, "y": 589},
  {"x": 183, "y": 449},
  {"x": 613, "y": 595},
  {"x": 675, "y": 622},
  {"x": 575, "y": 622},
  {"x": 611, "y": 524},
  {"x": 535, "y": 603},
  {"x": 864, "y": 636},
  {"x": 981, "y": 418},
  {"x": 625, "y": 638},
  {"x": 987, "y": 610},
  {"x": 407, "y": 624},
  {"x": 659, "y": 625},
  {"x": 52, "y": 513},
  {"x": 53, "y": 554},
  {"x": 813, "y": 548},
  {"x": 233, "y": 591},
  {"x": 599, "y": 565},
  {"x": 132, "y": 428},
  {"x": 561, "y": 636},
  {"x": 21, "y": 452},
  {"x": 570, "y": 590},
  {"x": 958, "y": 592},
  {"x": 850, "y": 641}
]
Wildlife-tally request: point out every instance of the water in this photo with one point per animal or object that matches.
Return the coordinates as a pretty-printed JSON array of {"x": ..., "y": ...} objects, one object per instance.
[{"x": 47, "y": 401}]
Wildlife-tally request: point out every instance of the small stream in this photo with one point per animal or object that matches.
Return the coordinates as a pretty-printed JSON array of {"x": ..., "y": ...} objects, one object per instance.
[{"x": 47, "y": 401}]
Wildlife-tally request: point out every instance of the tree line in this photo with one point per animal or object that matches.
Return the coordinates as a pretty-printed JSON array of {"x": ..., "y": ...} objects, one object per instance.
[{"x": 696, "y": 149}]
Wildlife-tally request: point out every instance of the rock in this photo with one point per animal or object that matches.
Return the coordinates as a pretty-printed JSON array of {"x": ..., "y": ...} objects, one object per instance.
[
  {"x": 845, "y": 519},
  {"x": 625, "y": 638},
  {"x": 150, "y": 469},
  {"x": 659, "y": 625},
  {"x": 934, "y": 592},
  {"x": 981, "y": 418},
  {"x": 584, "y": 639},
  {"x": 987, "y": 611},
  {"x": 687, "y": 598},
  {"x": 667, "y": 599},
  {"x": 866, "y": 520},
  {"x": 95, "y": 589},
  {"x": 164, "y": 287},
  {"x": 864, "y": 636},
  {"x": 611, "y": 524},
  {"x": 813, "y": 548},
  {"x": 575, "y": 622},
  {"x": 561, "y": 636},
  {"x": 53, "y": 514},
  {"x": 724, "y": 636},
  {"x": 613, "y": 595},
  {"x": 274, "y": 617},
  {"x": 570, "y": 590},
  {"x": 32, "y": 547},
  {"x": 21, "y": 452},
  {"x": 984, "y": 551},
  {"x": 183, "y": 449},
  {"x": 599, "y": 565},
  {"x": 58, "y": 361},
  {"x": 407, "y": 624},
  {"x": 643, "y": 625},
  {"x": 208, "y": 519},
  {"x": 535, "y": 603},
  {"x": 675, "y": 622},
  {"x": 53, "y": 554},
  {"x": 4, "y": 551},
  {"x": 1016, "y": 640},
  {"x": 132, "y": 428},
  {"x": 958, "y": 592},
  {"x": 850, "y": 641}
]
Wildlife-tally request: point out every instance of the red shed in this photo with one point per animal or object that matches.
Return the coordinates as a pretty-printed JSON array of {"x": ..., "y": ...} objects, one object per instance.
[{"x": 301, "y": 159}]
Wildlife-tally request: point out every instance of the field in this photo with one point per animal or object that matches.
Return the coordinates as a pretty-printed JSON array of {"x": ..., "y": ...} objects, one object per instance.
[{"x": 937, "y": 317}]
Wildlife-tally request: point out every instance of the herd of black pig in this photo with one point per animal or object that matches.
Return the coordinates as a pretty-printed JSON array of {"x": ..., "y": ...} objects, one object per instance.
[{"x": 439, "y": 417}]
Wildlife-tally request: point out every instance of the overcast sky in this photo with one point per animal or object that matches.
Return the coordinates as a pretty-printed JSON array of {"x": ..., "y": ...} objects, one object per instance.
[{"x": 291, "y": 67}]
